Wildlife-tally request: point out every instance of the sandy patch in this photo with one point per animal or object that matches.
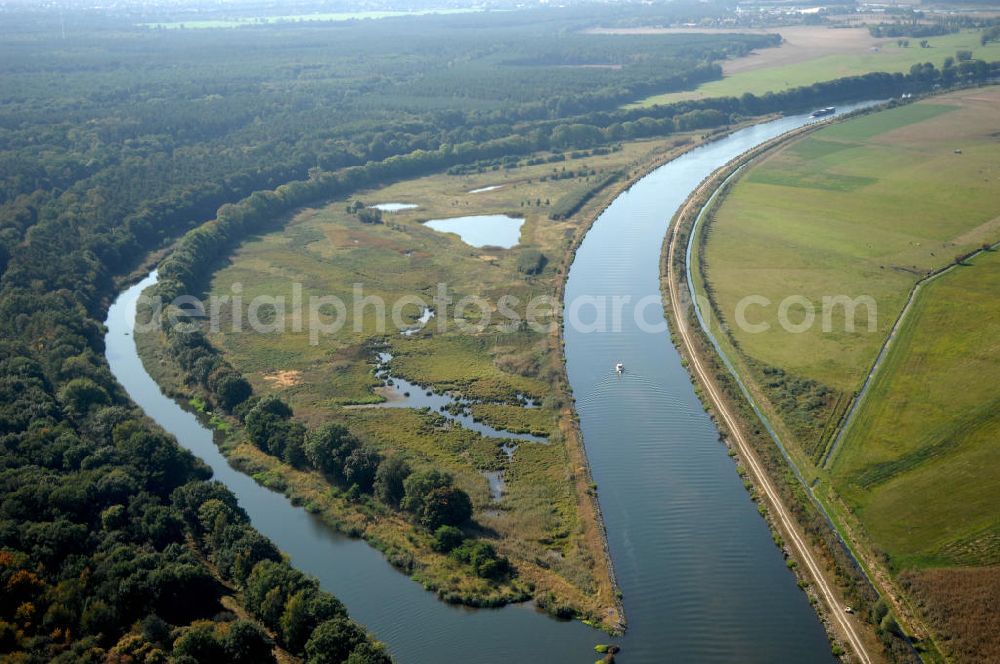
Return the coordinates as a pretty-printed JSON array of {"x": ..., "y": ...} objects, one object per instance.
[
  {"x": 389, "y": 393},
  {"x": 344, "y": 238},
  {"x": 287, "y": 378}
]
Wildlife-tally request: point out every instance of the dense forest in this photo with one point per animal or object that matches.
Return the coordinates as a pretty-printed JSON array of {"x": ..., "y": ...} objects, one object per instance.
[
  {"x": 154, "y": 129},
  {"x": 115, "y": 140}
]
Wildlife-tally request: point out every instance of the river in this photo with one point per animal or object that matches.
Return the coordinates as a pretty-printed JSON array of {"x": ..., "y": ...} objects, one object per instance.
[{"x": 702, "y": 580}]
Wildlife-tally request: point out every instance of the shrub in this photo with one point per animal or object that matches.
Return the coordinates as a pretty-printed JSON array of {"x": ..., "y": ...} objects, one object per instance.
[
  {"x": 245, "y": 643},
  {"x": 328, "y": 447},
  {"x": 431, "y": 497},
  {"x": 531, "y": 261},
  {"x": 369, "y": 653},
  {"x": 446, "y": 506},
  {"x": 484, "y": 560},
  {"x": 81, "y": 394},
  {"x": 268, "y": 425},
  {"x": 370, "y": 216},
  {"x": 447, "y": 538},
  {"x": 360, "y": 467},
  {"x": 199, "y": 641},
  {"x": 389, "y": 478},
  {"x": 333, "y": 641},
  {"x": 230, "y": 387},
  {"x": 303, "y": 612}
]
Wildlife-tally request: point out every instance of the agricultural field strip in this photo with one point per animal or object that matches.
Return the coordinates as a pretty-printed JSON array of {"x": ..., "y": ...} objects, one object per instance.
[
  {"x": 767, "y": 225},
  {"x": 841, "y": 530},
  {"x": 754, "y": 73},
  {"x": 726, "y": 360},
  {"x": 917, "y": 462},
  {"x": 859, "y": 398}
]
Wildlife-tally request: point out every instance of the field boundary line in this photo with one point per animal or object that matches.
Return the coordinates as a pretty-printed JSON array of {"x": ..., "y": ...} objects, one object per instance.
[{"x": 847, "y": 420}]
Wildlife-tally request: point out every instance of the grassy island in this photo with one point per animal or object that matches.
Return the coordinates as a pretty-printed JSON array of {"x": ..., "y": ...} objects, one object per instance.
[{"x": 531, "y": 495}]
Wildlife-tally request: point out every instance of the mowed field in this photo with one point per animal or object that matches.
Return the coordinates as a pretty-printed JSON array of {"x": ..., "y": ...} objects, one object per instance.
[
  {"x": 919, "y": 464},
  {"x": 921, "y": 458},
  {"x": 813, "y": 54},
  {"x": 862, "y": 208},
  {"x": 866, "y": 208},
  {"x": 327, "y": 251}
]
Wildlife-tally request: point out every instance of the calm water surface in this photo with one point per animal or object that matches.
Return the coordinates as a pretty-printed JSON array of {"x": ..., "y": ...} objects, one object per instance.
[
  {"x": 494, "y": 230},
  {"x": 406, "y": 394},
  {"x": 701, "y": 579}
]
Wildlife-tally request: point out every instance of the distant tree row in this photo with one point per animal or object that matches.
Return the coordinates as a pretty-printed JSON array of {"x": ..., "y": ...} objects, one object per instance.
[
  {"x": 429, "y": 496},
  {"x": 911, "y": 29}
]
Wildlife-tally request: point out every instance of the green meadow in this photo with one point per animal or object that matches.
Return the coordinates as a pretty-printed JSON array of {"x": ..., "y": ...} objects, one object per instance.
[
  {"x": 920, "y": 459},
  {"x": 784, "y": 76},
  {"x": 859, "y": 209}
]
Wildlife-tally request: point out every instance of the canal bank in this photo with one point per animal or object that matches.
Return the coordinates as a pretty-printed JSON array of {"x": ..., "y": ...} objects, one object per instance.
[{"x": 685, "y": 307}]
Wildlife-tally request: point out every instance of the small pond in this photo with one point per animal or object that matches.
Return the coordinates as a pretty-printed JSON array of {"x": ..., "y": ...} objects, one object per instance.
[
  {"x": 498, "y": 487},
  {"x": 485, "y": 230},
  {"x": 394, "y": 207}
]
